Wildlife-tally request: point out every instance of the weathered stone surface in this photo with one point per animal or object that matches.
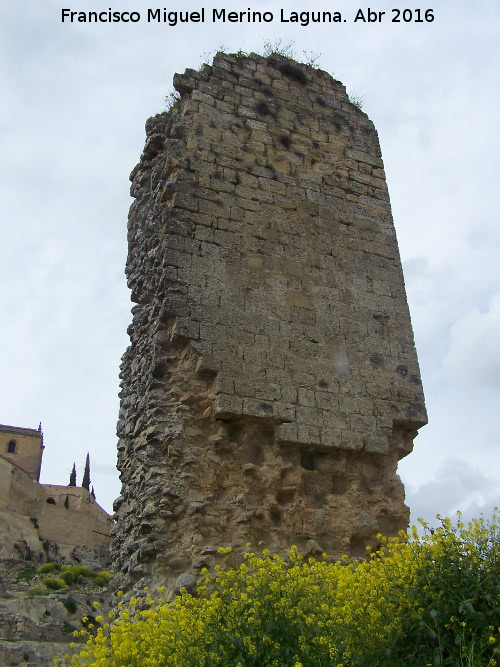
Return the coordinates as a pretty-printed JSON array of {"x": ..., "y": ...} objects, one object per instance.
[
  {"x": 36, "y": 518},
  {"x": 271, "y": 384},
  {"x": 40, "y": 522},
  {"x": 185, "y": 581},
  {"x": 36, "y": 625},
  {"x": 30, "y": 653}
]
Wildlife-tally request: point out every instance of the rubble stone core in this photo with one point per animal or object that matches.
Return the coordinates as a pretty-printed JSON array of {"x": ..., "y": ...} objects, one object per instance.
[{"x": 272, "y": 383}]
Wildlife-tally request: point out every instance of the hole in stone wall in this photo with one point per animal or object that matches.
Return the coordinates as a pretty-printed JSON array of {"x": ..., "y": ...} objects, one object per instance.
[
  {"x": 262, "y": 109},
  {"x": 145, "y": 527},
  {"x": 275, "y": 515},
  {"x": 285, "y": 140},
  {"x": 307, "y": 460},
  {"x": 51, "y": 501},
  {"x": 321, "y": 461},
  {"x": 234, "y": 429},
  {"x": 340, "y": 485},
  {"x": 160, "y": 370},
  {"x": 285, "y": 496}
]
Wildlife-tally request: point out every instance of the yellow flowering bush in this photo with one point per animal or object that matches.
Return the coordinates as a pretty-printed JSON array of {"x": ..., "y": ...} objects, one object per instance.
[
  {"x": 430, "y": 600},
  {"x": 454, "y": 593}
]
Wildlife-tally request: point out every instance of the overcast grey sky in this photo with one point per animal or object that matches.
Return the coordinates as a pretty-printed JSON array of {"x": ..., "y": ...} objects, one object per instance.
[{"x": 74, "y": 99}]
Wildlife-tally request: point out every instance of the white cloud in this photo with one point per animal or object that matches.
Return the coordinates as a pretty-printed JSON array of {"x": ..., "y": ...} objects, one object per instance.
[
  {"x": 474, "y": 354},
  {"x": 456, "y": 486}
]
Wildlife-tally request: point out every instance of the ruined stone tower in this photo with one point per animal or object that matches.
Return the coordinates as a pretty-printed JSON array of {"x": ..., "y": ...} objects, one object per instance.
[{"x": 271, "y": 384}]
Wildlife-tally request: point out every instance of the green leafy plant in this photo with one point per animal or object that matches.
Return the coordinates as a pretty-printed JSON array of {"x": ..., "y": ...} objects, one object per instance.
[
  {"x": 356, "y": 100},
  {"x": 75, "y": 573},
  {"x": 81, "y": 571},
  {"x": 279, "y": 48},
  {"x": 102, "y": 578},
  {"x": 72, "y": 476},
  {"x": 172, "y": 101},
  {"x": 86, "y": 474},
  {"x": 54, "y": 584},
  {"x": 455, "y": 594},
  {"x": 206, "y": 56},
  {"x": 311, "y": 58},
  {"x": 68, "y": 576},
  {"x": 49, "y": 567}
]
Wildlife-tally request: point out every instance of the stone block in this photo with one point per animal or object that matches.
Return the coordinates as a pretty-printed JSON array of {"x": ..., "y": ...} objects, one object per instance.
[{"x": 225, "y": 404}]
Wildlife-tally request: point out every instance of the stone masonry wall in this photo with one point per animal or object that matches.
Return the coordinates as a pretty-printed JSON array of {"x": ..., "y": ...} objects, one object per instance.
[
  {"x": 271, "y": 384},
  {"x": 32, "y": 513},
  {"x": 28, "y": 445}
]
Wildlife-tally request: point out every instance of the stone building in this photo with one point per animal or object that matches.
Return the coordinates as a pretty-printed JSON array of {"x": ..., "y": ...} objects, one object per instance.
[
  {"x": 23, "y": 447},
  {"x": 271, "y": 384},
  {"x": 34, "y": 516}
]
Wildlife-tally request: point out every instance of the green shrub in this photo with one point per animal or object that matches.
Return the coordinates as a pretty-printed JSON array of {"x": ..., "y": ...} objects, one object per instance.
[
  {"x": 68, "y": 576},
  {"x": 454, "y": 593},
  {"x": 83, "y": 571},
  {"x": 73, "y": 573},
  {"x": 49, "y": 567},
  {"x": 102, "y": 578},
  {"x": 419, "y": 601},
  {"x": 54, "y": 584}
]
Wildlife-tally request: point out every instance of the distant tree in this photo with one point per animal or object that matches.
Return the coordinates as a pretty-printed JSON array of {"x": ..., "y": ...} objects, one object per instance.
[
  {"x": 72, "y": 477},
  {"x": 86, "y": 474},
  {"x": 92, "y": 493}
]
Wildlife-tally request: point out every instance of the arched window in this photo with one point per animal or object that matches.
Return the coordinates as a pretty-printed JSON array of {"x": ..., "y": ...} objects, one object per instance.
[
  {"x": 51, "y": 501},
  {"x": 11, "y": 447}
]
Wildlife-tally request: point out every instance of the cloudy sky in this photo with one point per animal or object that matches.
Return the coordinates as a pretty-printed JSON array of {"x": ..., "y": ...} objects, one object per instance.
[{"x": 74, "y": 99}]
